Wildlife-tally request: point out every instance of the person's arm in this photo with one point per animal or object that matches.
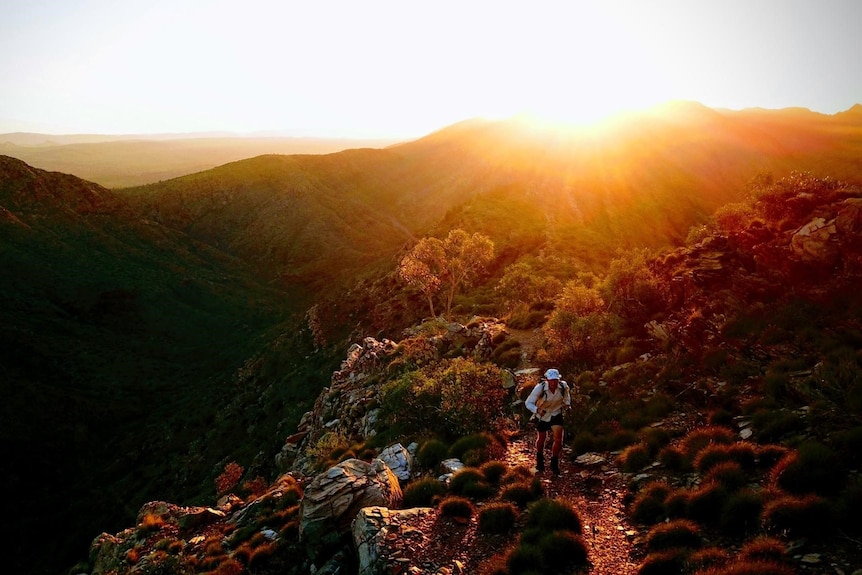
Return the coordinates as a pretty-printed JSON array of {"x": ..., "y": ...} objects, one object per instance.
[
  {"x": 567, "y": 394},
  {"x": 533, "y": 398}
]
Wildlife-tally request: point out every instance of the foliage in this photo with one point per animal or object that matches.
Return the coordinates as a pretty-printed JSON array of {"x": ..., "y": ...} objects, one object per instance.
[
  {"x": 446, "y": 265},
  {"x": 675, "y": 534},
  {"x": 432, "y": 453},
  {"x": 523, "y": 492},
  {"x": 523, "y": 284},
  {"x": 497, "y": 517},
  {"x": 455, "y": 396},
  {"x": 635, "y": 457},
  {"x": 807, "y": 516},
  {"x": 470, "y": 482},
  {"x": 458, "y": 508},
  {"x": 632, "y": 291},
  {"x": 554, "y": 514},
  {"x": 229, "y": 478},
  {"x": 579, "y": 327},
  {"x": 423, "y": 492},
  {"x": 813, "y": 468}
]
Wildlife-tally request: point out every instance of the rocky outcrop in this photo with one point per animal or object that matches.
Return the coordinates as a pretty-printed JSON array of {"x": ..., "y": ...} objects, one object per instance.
[
  {"x": 373, "y": 531},
  {"x": 334, "y": 498}
]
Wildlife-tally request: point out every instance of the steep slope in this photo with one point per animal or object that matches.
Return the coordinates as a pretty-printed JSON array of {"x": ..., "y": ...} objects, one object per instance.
[{"x": 117, "y": 345}]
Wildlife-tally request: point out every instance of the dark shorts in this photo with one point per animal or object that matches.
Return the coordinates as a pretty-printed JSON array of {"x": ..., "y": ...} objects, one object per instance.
[{"x": 547, "y": 425}]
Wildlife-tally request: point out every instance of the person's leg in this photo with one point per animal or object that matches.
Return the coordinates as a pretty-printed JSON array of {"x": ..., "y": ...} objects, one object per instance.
[
  {"x": 557, "y": 447},
  {"x": 540, "y": 449}
]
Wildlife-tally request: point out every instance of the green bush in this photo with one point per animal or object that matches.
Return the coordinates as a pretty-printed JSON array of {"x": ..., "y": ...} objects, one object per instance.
[
  {"x": 727, "y": 474},
  {"x": 562, "y": 550},
  {"x": 516, "y": 474},
  {"x": 524, "y": 559},
  {"x": 497, "y": 517},
  {"x": 523, "y": 492},
  {"x": 470, "y": 482},
  {"x": 763, "y": 549},
  {"x": 423, "y": 492},
  {"x": 710, "y": 456},
  {"x": 432, "y": 453},
  {"x": 649, "y": 504},
  {"x": 477, "y": 443},
  {"x": 655, "y": 438},
  {"x": 494, "y": 471},
  {"x": 711, "y": 557},
  {"x": 672, "y": 458},
  {"x": 635, "y": 457},
  {"x": 458, "y": 508},
  {"x": 671, "y": 562},
  {"x": 553, "y": 515},
  {"x": 808, "y": 516},
  {"x": 741, "y": 513},
  {"x": 774, "y": 425},
  {"x": 706, "y": 502},
  {"x": 768, "y": 455},
  {"x": 814, "y": 468},
  {"x": 694, "y": 442},
  {"x": 677, "y": 504},
  {"x": 676, "y": 534}
]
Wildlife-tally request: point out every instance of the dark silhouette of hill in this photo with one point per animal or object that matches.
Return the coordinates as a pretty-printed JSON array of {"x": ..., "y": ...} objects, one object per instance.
[
  {"x": 119, "y": 342},
  {"x": 121, "y": 161}
]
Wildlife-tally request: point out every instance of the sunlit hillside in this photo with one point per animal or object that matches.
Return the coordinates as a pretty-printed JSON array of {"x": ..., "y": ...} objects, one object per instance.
[{"x": 122, "y": 161}]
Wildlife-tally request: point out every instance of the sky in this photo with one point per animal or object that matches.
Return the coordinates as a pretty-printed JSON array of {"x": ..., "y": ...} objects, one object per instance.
[{"x": 406, "y": 68}]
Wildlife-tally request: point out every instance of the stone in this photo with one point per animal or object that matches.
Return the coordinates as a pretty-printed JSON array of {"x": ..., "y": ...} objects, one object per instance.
[
  {"x": 816, "y": 242},
  {"x": 811, "y": 558},
  {"x": 198, "y": 517},
  {"x": 398, "y": 460},
  {"x": 451, "y": 465},
  {"x": 590, "y": 459},
  {"x": 334, "y": 498},
  {"x": 372, "y": 532}
]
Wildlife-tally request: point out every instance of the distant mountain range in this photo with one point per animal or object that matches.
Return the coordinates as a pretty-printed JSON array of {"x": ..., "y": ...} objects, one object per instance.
[{"x": 147, "y": 329}]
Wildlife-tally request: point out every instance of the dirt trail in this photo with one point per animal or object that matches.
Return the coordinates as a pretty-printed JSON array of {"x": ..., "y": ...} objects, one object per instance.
[{"x": 596, "y": 491}]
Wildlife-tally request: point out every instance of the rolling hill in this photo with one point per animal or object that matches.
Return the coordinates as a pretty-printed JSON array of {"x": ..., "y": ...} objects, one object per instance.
[{"x": 153, "y": 333}]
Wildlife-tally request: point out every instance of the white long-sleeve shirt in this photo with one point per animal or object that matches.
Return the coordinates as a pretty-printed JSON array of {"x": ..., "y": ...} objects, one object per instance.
[{"x": 541, "y": 399}]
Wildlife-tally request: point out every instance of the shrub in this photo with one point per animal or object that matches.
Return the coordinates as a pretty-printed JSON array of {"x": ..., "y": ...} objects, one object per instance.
[
  {"x": 768, "y": 455},
  {"x": 707, "y": 558},
  {"x": 676, "y": 534},
  {"x": 848, "y": 507},
  {"x": 562, "y": 549},
  {"x": 665, "y": 563},
  {"x": 745, "y": 454},
  {"x": 655, "y": 438},
  {"x": 710, "y": 456},
  {"x": 773, "y": 425},
  {"x": 553, "y": 515},
  {"x": 706, "y": 502},
  {"x": 728, "y": 474},
  {"x": 672, "y": 458},
  {"x": 150, "y": 523},
  {"x": 698, "y": 439},
  {"x": 470, "y": 482},
  {"x": 458, "y": 508},
  {"x": 754, "y": 568},
  {"x": 497, "y": 517},
  {"x": 635, "y": 457},
  {"x": 494, "y": 471},
  {"x": 229, "y": 567},
  {"x": 720, "y": 417},
  {"x": 261, "y": 555},
  {"x": 763, "y": 549},
  {"x": 423, "y": 492},
  {"x": 741, "y": 513},
  {"x": 648, "y": 506},
  {"x": 524, "y": 559},
  {"x": 524, "y": 492},
  {"x": 798, "y": 516},
  {"x": 815, "y": 468},
  {"x": 483, "y": 443},
  {"x": 676, "y": 504},
  {"x": 516, "y": 474},
  {"x": 432, "y": 453}
]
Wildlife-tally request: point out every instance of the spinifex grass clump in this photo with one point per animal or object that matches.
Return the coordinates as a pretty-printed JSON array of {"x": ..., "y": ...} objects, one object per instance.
[
  {"x": 763, "y": 549},
  {"x": 497, "y": 517},
  {"x": 423, "y": 492},
  {"x": 741, "y": 513},
  {"x": 814, "y": 468},
  {"x": 635, "y": 457},
  {"x": 728, "y": 474},
  {"x": 664, "y": 562},
  {"x": 523, "y": 492},
  {"x": 697, "y": 440},
  {"x": 470, "y": 482},
  {"x": 649, "y": 504},
  {"x": 676, "y": 534},
  {"x": 460, "y": 509},
  {"x": 551, "y": 542},
  {"x": 477, "y": 448},
  {"x": 432, "y": 453},
  {"x": 808, "y": 516},
  {"x": 554, "y": 514},
  {"x": 494, "y": 471}
]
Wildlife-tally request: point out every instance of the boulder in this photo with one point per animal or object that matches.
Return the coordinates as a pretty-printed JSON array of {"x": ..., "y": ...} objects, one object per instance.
[
  {"x": 398, "y": 460},
  {"x": 816, "y": 242},
  {"x": 373, "y": 529},
  {"x": 333, "y": 499}
]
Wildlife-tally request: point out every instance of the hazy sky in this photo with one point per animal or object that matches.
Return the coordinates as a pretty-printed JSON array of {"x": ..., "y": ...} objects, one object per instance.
[{"x": 404, "y": 68}]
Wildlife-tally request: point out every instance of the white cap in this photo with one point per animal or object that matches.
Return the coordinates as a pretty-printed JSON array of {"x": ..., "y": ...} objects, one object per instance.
[{"x": 552, "y": 374}]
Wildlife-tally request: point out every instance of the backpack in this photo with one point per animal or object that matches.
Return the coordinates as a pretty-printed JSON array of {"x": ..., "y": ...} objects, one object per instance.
[{"x": 564, "y": 388}]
